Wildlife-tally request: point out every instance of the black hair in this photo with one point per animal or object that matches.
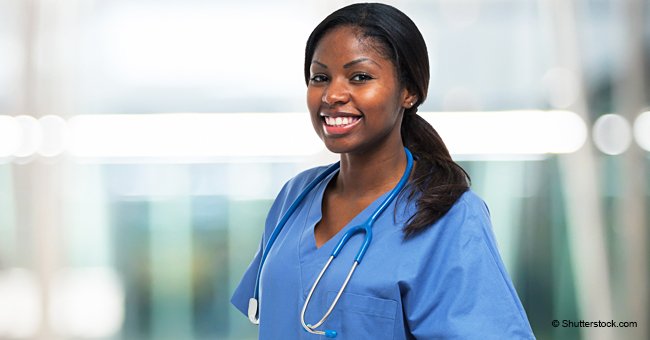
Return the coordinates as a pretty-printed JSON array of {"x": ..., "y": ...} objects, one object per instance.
[{"x": 438, "y": 181}]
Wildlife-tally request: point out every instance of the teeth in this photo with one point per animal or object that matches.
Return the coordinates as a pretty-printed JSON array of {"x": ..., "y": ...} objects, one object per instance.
[{"x": 340, "y": 121}]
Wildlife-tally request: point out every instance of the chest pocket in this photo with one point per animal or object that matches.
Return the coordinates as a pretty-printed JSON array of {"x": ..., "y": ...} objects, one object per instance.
[{"x": 362, "y": 317}]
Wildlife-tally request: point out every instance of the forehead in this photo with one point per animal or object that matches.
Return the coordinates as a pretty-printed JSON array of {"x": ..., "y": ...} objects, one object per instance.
[{"x": 347, "y": 42}]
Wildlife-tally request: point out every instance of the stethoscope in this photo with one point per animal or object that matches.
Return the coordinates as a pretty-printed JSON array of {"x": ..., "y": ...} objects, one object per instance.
[{"x": 366, "y": 227}]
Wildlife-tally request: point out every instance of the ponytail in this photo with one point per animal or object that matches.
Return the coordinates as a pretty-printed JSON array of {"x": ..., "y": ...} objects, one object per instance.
[{"x": 437, "y": 181}]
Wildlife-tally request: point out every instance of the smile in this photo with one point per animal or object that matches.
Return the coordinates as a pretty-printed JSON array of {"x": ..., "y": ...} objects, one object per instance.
[
  {"x": 340, "y": 125},
  {"x": 340, "y": 121}
]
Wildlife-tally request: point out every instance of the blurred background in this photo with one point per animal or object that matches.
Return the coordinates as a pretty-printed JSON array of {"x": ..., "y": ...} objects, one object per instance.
[{"x": 142, "y": 143}]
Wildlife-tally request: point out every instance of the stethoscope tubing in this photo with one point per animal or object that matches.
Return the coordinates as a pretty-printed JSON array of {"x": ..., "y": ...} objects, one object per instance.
[
  {"x": 366, "y": 227},
  {"x": 285, "y": 218}
]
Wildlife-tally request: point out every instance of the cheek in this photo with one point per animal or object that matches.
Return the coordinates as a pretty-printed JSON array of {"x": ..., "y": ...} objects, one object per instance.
[
  {"x": 373, "y": 98},
  {"x": 313, "y": 98},
  {"x": 313, "y": 104},
  {"x": 379, "y": 101}
]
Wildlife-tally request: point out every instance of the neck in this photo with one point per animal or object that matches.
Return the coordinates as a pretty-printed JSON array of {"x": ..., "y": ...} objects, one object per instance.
[{"x": 371, "y": 173}]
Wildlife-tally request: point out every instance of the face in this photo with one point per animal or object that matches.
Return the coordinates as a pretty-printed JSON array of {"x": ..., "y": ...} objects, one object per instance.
[{"x": 354, "y": 96}]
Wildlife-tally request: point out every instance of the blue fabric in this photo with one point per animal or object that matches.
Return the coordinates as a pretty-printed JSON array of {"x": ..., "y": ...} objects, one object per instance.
[{"x": 448, "y": 282}]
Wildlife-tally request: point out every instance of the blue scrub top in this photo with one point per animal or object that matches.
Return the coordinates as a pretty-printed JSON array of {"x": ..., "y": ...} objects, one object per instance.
[{"x": 446, "y": 282}]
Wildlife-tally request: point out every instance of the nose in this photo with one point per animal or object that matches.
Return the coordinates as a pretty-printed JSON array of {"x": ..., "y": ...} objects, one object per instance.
[{"x": 336, "y": 92}]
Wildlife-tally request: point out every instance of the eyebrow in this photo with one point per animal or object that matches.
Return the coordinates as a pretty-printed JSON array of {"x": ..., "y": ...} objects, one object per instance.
[{"x": 350, "y": 64}]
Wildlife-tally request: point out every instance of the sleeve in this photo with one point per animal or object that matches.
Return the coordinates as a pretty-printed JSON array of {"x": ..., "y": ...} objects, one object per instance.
[
  {"x": 462, "y": 290},
  {"x": 246, "y": 287}
]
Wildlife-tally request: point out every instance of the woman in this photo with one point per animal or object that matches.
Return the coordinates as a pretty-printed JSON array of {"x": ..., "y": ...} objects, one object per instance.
[{"x": 432, "y": 269}]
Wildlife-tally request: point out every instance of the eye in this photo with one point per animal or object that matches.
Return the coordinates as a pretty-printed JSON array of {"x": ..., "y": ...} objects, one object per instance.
[
  {"x": 318, "y": 78},
  {"x": 361, "y": 77}
]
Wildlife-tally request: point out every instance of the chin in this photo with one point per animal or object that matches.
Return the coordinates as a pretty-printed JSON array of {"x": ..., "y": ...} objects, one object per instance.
[
  {"x": 335, "y": 146},
  {"x": 335, "y": 149},
  {"x": 343, "y": 148}
]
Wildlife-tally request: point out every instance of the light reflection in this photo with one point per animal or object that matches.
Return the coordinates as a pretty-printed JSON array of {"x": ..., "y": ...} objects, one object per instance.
[
  {"x": 32, "y": 136},
  {"x": 642, "y": 130},
  {"x": 199, "y": 136},
  {"x": 10, "y": 135},
  {"x": 87, "y": 303},
  {"x": 510, "y": 132},
  {"x": 612, "y": 134},
  {"x": 20, "y": 304},
  {"x": 54, "y": 141}
]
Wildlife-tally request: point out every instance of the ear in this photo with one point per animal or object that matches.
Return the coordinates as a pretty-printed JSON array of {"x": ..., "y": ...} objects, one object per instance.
[{"x": 409, "y": 99}]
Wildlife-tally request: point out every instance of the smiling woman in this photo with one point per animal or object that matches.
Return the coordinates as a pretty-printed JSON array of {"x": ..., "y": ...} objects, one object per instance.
[
  {"x": 354, "y": 96},
  {"x": 432, "y": 268}
]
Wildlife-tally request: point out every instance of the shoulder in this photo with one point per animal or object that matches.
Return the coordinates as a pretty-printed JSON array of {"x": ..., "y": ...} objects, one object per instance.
[
  {"x": 472, "y": 208},
  {"x": 467, "y": 220},
  {"x": 294, "y": 186},
  {"x": 469, "y": 215},
  {"x": 290, "y": 192},
  {"x": 470, "y": 202},
  {"x": 468, "y": 225}
]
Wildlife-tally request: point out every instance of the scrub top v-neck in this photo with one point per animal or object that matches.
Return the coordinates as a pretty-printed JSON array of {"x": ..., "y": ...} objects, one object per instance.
[{"x": 312, "y": 258}]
